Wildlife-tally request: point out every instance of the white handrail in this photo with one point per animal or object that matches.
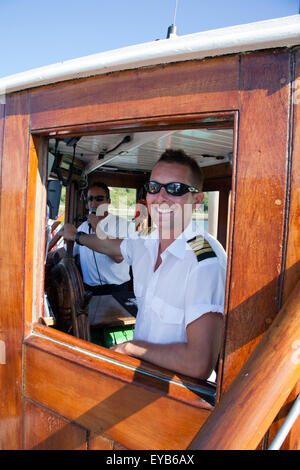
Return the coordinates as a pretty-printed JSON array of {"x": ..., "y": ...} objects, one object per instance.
[{"x": 287, "y": 425}]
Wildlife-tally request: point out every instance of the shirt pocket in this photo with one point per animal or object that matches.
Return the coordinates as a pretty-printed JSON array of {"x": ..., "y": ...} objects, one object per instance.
[{"x": 167, "y": 313}]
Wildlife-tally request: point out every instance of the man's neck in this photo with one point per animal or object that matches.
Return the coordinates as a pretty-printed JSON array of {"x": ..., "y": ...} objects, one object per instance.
[{"x": 168, "y": 237}]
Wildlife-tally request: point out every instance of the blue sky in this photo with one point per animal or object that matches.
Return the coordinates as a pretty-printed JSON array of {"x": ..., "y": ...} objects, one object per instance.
[{"x": 35, "y": 33}]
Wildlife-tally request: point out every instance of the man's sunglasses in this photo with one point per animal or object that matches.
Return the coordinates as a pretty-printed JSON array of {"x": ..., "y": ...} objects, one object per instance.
[
  {"x": 175, "y": 189},
  {"x": 97, "y": 198}
]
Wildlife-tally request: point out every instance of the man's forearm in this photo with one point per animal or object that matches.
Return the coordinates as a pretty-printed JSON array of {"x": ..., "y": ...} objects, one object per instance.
[
  {"x": 177, "y": 357},
  {"x": 108, "y": 246}
]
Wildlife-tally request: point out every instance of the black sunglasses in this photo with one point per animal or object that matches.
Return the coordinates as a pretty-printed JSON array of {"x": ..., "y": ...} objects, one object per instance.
[
  {"x": 175, "y": 189},
  {"x": 97, "y": 198}
]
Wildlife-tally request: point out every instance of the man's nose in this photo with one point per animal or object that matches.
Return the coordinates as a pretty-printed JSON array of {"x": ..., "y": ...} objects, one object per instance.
[{"x": 162, "y": 195}]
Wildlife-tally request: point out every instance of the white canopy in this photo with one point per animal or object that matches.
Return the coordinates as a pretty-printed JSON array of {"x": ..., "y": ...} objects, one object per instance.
[{"x": 281, "y": 32}]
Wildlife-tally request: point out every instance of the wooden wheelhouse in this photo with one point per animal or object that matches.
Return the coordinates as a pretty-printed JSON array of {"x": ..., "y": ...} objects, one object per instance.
[{"x": 235, "y": 108}]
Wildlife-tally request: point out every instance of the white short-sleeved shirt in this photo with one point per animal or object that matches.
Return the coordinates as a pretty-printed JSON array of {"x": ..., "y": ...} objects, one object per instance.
[
  {"x": 180, "y": 290},
  {"x": 110, "y": 272}
]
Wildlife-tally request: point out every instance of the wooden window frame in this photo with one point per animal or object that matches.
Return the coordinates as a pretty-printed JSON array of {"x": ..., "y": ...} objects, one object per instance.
[{"x": 198, "y": 393}]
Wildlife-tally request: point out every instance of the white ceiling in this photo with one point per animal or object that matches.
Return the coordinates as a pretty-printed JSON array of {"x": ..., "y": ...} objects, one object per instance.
[{"x": 144, "y": 148}]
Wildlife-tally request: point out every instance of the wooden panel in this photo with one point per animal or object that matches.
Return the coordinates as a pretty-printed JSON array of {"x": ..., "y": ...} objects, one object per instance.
[
  {"x": 106, "y": 311},
  {"x": 2, "y": 126},
  {"x": 2, "y": 120},
  {"x": 249, "y": 406},
  {"x": 292, "y": 274},
  {"x": 209, "y": 85},
  {"x": 293, "y": 246},
  {"x": 195, "y": 392},
  {"x": 135, "y": 417},
  {"x": 35, "y": 231},
  {"x": 223, "y": 217},
  {"x": 29, "y": 250},
  {"x": 12, "y": 236},
  {"x": 259, "y": 202},
  {"x": 45, "y": 430},
  {"x": 120, "y": 180},
  {"x": 99, "y": 443}
]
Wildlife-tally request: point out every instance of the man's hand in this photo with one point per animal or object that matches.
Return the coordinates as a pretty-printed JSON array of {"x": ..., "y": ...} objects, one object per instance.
[
  {"x": 131, "y": 348},
  {"x": 69, "y": 232},
  {"x": 195, "y": 358},
  {"x": 121, "y": 348},
  {"x": 93, "y": 220}
]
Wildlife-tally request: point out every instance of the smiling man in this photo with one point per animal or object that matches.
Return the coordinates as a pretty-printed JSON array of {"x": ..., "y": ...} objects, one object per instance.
[{"x": 179, "y": 273}]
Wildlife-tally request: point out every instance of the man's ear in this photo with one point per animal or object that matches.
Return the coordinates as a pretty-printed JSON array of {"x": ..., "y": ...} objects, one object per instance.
[{"x": 198, "y": 199}]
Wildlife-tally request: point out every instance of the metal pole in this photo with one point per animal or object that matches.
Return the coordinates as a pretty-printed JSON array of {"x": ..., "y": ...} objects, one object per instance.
[{"x": 287, "y": 425}]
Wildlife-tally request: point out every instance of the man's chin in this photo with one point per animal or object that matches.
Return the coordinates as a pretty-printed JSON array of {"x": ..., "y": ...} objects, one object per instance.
[{"x": 170, "y": 228}]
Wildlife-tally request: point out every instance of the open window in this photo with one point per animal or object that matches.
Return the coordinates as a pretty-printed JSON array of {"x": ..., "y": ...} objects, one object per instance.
[{"x": 123, "y": 161}]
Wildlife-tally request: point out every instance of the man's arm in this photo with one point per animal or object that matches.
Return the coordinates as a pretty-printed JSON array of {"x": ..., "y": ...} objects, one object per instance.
[
  {"x": 106, "y": 245},
  {"x": 195, "y": 358}
]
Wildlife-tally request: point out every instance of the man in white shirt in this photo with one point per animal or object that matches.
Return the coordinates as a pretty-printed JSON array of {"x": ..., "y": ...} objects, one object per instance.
[
  {"x": 102, "y": 274},
  {"x": 179, "y": 275}
]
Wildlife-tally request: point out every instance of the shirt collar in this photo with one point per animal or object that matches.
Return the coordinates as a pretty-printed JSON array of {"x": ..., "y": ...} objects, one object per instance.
[
  {"x": 179, "y": 246},
  {"x": 153, "y": 236}
]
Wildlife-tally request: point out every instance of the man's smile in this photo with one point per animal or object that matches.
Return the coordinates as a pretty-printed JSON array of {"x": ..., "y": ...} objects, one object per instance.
[{"x": 165, "y": 210}]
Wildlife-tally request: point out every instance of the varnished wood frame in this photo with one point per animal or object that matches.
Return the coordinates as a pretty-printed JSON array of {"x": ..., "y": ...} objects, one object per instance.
[
  {"x": 256, "y": 85},
  {"x": 194, "y": 408}
]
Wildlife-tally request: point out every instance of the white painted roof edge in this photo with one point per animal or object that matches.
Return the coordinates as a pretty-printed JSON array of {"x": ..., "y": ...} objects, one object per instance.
[{"x": 280, "y": 32}]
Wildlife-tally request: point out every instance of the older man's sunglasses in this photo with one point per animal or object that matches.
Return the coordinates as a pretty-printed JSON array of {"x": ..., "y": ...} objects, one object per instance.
[
  {"x": 97, "y": 198},
  {"x": 175, "y": 189}
]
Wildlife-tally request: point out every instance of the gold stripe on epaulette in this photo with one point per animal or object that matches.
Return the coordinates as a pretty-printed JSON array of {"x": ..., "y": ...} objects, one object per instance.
[
  {"x": 200, "y": 244},
  {"x": 146, "y": 231},
  {"x": 201, "y": 247},
  {"x": 203, "y": 250}
]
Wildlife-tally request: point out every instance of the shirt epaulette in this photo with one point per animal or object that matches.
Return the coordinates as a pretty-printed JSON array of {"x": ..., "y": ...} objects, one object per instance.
[
  {"x": 201, "y": 248},
  {"x": 146, "y": 231}
]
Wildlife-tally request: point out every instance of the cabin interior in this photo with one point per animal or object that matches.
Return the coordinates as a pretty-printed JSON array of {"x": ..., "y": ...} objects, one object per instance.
[{"x": 125, "y": 160}]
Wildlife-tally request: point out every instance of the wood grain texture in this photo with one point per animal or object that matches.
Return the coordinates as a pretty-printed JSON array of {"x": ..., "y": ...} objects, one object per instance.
[
  {"x": 135, "y": 417},
  {"x": 45, "y": 430},
  {"x": 30, "y": 223},
  {"x": 128, "y": 369},
  {"x": 97, "y": 442},
  {"x": 35, "y": 231},
  {"x": 252, "y": 402},
  {"x": 259, "y": 195},
  {"x": 194, "y": 392},
  {"x": 292, "y": 256},
  {"x": 105, "y": 311},
  {"x": 12, "y": 222},
  {"x": 208, "y": 85},
  {"x": 2, "y": 126},
  {"x": 293, "y": 243}
]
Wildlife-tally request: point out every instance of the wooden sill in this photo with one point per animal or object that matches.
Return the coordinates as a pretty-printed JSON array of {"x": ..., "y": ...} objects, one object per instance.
[{"x": 199, "y": 393}]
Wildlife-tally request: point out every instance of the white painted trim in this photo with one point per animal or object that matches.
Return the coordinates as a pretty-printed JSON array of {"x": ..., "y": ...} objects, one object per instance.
[{"x": 281, "y": 32}]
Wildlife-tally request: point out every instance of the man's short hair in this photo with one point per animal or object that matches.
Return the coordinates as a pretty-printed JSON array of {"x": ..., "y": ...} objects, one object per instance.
[
  {"x": 99, "y": 184},
  {"x": 180, "y": 157}
]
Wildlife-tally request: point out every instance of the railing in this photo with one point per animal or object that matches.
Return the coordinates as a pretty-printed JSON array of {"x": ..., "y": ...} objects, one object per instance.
[
  {"x": 287, "y": 425},
  {"x": 253, "y": 400}
]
